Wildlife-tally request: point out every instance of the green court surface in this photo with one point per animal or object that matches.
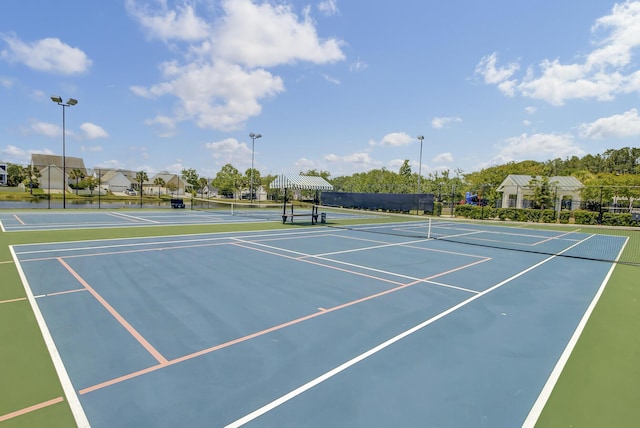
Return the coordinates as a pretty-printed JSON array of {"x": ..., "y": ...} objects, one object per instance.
[{"x": 598, "y": 386}]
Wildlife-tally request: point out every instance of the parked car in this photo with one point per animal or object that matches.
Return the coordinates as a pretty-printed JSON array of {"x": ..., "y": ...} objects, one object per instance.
[{"x": 130, "y": 192}]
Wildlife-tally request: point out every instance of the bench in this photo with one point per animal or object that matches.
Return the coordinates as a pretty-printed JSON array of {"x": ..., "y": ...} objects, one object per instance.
[
  {"x": 177, "y": 203},
  {"x": 314, "y": 217}
]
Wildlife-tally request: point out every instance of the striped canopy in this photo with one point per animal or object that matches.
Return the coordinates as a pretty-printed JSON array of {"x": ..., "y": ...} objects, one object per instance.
[{"x": 304, "y": 182}]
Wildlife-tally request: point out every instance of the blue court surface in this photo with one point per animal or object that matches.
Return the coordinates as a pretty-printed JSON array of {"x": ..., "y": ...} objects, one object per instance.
[
  {"x": 75, "y": 219},
  {"x": 310, "y": 327}
]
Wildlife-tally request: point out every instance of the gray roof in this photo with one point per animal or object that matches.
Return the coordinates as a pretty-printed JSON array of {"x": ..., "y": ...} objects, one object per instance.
[
  {"x": 304, "y": 182},
  {"x": 563, "y": 182},
  {"x": 41, "y": 160}
]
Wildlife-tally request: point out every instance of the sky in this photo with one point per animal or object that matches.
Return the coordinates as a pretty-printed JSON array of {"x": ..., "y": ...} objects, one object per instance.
[{"x": 343, "y": 86}]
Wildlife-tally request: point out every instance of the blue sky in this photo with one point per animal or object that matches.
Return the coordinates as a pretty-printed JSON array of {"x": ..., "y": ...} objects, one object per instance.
[{"x": 343, "y": 86}]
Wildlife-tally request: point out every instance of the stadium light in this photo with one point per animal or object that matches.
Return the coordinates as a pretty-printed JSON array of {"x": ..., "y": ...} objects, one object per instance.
[
  {"x": 421, "y": 138},
  {"x": 253, "y": 142},
  {"x": 70, "y": 102}
]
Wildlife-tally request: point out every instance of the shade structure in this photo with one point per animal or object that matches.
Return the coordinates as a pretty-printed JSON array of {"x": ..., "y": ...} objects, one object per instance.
[{"x": 304, "y": 182}]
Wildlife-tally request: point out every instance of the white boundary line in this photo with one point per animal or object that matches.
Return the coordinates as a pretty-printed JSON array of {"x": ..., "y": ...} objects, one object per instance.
[
  {"x": 542, "y": 399},
  {"x": 305, "y": 387},
  {"x": 74, "y": 402}
]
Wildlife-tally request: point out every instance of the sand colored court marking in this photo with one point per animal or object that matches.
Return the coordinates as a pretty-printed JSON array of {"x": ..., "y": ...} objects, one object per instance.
[{"x": 31, "y": 409}]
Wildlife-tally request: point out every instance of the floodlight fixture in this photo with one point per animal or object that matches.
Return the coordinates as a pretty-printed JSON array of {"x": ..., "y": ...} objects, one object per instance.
[
  {"x": 71, "y": 102},
  {"x": 253, "y": 137}
]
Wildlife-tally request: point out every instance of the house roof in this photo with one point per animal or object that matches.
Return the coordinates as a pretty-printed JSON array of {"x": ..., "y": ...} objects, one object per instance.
[
  {"x": 562, "y": 182},
  {"x": 41, "y": 160},
  {"x": 304, "y": 182},
  {"x": 109, "y": 175}
]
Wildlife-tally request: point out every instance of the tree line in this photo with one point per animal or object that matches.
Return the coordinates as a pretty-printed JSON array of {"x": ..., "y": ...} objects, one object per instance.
[{"x": 614, "y": 173}]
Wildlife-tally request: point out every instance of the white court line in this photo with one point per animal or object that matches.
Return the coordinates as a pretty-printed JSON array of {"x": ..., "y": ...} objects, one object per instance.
[
  {"x": 542, "y": 399},
  {"x": 305, "y": 258},
  {"x": 150, "y": 241},
  {"x": 74, "y": 402},
  {"x": 303, "y": 388},
  {"x": 132, "y": 217}
]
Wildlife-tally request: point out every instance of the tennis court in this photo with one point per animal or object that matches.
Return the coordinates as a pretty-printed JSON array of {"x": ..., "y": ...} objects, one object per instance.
[{"x": 318, "y": 326}]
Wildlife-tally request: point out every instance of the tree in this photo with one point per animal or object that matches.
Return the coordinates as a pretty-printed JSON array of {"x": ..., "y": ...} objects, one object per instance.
[
  {"x": 542, "y": 196},
  {"x": 202, "y": 185},
  {"x": 227, "y": 180},
  {"x": 246, "y": 180},
  {"x": 76, "y": 174},
  {"x": 16, "y": 174},
  {"x": 33, "y": 174},
  {"x": 141, "y": 177},
  {"x": 90, "y": 183},
  {"x": 159, "y": 181},
  {"x": 191, "y": 177}
]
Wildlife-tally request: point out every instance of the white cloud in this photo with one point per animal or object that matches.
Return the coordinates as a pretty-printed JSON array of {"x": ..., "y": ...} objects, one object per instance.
[
  {"x": 166, "y": 126},
  {"x": 166, "y": 25},
  {"x": 497, "y": 76},
  {"x": 622, "y": 125},
  {"x": 530, "y": 110},
  {"x": 602, "y": 74},
  {"x": 358, "y": 65},
  {"x": 231, "y": 151},
  {"x": 359, "y": 161},
  {"x": 48, "y": 55},
  {"x": 110, "y": 164},
  {"x": 328, "y": 7},
  {"x": 441, "y": 122},
  {"x": 18, "y": 155},
  {"x": 395, "y": 139},
  {"x": 331, "y": 79},
  {"x": 446, "y": 157},
  {"x": 223, "y": 79},
  {"x": 267, "y": 35},
  {"x": 93, "y": 131},
  {"x": 47, "y": 129},
  {"x": 539, "y": 147}
]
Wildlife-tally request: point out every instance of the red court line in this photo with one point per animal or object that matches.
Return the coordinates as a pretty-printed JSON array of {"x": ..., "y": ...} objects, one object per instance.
[
  {"x": 18, "y": 218},
  {"x": 13, "y": 300},
  {"x": 320, "y": 312},
  {"x": 30, "y": 409},
  {"x": 153, "y": 351}
]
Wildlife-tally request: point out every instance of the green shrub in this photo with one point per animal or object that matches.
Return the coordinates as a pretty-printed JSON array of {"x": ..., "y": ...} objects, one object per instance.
[
  {"x": 564, "y": 217},
  {"x": 586, "y": 217}
]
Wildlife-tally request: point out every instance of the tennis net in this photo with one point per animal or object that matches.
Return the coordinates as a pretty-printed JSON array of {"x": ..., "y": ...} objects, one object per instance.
[
  {"x": 610, "y": 244},
  {"x": 257, "y": 210}
]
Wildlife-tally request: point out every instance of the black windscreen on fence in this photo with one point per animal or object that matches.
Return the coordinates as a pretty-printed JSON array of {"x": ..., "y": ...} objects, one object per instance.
[{"x": 399, "y": 202}]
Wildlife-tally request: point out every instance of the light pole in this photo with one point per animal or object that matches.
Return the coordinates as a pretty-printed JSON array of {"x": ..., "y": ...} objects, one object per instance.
[
  {"x": 421, "y": 138},
  {"x": 253, "y": 142},
  {"x": 69, "y": 103}
]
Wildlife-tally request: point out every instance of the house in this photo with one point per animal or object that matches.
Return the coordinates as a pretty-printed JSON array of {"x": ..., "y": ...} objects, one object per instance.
[
  {"x": 42, "y": 161},
  {"x": 172, "y": 182},
  {"x": 50, "y": 168},
  {"x": 518, "y": 190},
  {"x": 114, "y": 181},
  {"x": 4, "y": 177},
  {"x": 51, "y": 179}
]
